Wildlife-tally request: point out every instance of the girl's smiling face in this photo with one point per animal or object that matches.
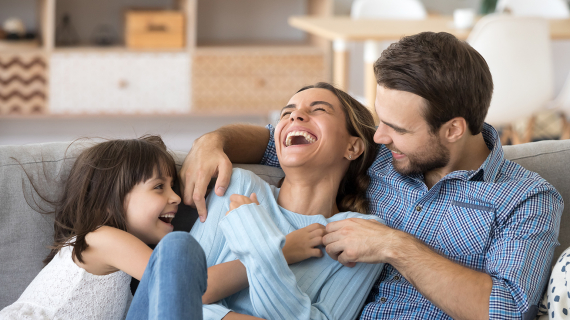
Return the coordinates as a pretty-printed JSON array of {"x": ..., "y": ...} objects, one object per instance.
[
  {"x": 312, "y": 130},
  {"x": 150, "y": 207}
]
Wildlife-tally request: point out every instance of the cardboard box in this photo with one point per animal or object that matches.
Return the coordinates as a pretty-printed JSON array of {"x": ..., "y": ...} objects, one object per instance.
[{"x": 154, "y": 29}]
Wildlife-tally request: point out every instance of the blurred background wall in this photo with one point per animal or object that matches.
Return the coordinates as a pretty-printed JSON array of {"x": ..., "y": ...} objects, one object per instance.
[{"x": 180, "y": 132}]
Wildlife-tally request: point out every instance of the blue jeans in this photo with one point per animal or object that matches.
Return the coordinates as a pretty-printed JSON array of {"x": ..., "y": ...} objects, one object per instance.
[{"x": 173, "y": 282}]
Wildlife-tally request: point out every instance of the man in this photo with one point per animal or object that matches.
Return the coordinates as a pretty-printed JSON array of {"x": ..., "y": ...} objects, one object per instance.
[{"x": 469, "y": 235}]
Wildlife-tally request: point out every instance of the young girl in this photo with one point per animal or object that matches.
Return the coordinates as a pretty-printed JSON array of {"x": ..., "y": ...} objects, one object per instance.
[{"x": 117, "y": 200}]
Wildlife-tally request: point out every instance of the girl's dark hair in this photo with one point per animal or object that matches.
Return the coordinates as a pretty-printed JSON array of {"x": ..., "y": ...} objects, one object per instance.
[
  {"x": 99, "y": 180},
  {"x": 351, "y": 194}
]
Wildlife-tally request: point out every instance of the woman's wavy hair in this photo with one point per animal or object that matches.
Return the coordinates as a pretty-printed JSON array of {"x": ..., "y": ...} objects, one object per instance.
[
  {"x": 351, "y": 194},
  {"x": 98, "y": 183}
]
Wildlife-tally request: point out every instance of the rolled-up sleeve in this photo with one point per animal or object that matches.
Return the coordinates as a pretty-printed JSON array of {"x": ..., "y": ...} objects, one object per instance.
[{"x": 520, "y": 256}]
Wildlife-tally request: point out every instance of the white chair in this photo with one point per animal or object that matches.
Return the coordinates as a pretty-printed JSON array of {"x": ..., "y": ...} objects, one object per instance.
[
  {"x": 518, "y": 52},
  {"x": 381, "y": 9},
  {"x": 388, "y": 9},
  {"x": 550, "y": 9},
  {"x": 385, "y": 9}
]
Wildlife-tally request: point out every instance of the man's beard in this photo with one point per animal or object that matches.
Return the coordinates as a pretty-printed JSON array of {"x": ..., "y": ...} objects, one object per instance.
[{"x": 433, "y": 156}]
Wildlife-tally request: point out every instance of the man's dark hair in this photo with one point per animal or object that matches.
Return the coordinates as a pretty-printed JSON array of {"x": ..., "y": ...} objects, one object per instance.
[{"x": 451, "y": 76}]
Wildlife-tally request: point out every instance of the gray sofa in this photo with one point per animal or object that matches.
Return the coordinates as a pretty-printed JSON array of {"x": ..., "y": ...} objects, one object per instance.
[{"x": 25, "y": 233}]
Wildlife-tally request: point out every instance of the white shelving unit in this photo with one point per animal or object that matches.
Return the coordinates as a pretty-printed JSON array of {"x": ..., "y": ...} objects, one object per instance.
[{"x": 221, "y": 70}]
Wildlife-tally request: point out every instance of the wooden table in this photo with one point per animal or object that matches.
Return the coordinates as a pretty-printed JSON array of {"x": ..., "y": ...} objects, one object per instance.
[{"x": 341, "y": 29}]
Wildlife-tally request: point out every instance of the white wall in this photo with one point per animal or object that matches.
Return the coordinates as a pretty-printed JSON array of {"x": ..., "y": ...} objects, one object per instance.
[
  {"x": 23, "y": 9},
  {"x": 248, "y": 20}
]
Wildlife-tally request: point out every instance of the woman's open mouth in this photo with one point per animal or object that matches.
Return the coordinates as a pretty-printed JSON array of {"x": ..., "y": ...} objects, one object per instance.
[{"x": 298, "y": 138}]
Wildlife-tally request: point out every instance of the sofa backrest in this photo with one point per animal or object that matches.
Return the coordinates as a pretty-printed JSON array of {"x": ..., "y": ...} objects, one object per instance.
[
  {"x": 26, "y": 234},
  {"x": 550, "y": 160}
]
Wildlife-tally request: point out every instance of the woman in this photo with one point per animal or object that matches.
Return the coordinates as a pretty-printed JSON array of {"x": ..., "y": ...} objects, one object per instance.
[{"x": 324, "y": 142}]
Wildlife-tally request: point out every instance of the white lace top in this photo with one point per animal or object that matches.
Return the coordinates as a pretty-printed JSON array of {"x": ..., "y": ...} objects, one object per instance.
[{"x": 63, "y": 290}]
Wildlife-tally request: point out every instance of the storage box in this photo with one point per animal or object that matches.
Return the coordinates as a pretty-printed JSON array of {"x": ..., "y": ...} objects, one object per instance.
[{"x": 154, "y": 29}]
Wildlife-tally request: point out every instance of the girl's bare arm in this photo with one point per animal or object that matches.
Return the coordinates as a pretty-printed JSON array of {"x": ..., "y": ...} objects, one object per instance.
[{"x": 111, "y": 249}]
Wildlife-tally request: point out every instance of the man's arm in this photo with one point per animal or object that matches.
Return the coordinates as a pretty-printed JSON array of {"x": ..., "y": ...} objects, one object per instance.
[
  {"x": 460, "y": 292},
  {"x": 212, "y": 155},
  {"x": 467, "y": 292},
  {"x": 516, "y": 268}
]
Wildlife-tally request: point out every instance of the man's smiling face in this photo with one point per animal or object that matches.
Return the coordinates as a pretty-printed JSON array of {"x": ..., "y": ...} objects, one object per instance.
[{"x": 405, "y": 132}]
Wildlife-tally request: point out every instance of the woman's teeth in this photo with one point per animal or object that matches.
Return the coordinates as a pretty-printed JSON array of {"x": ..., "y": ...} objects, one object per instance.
[{"x": 303, "y": 134}]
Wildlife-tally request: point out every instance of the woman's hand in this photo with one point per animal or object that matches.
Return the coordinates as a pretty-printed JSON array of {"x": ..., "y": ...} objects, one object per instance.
[
  {"x": 303, "y": 243},
  {"x": 237, "y": 200}
]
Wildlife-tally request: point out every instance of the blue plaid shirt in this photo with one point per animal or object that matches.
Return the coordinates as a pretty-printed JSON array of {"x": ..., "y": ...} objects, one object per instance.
[{"x": 500, "y": 219}]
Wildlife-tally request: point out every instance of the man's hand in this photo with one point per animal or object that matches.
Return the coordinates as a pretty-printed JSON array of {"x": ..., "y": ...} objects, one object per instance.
[
  {"x": 210, "y": 157},
  {"x": 206, "y": 160},
  {"x": 237, "y": 200},
  {"x": 303, "y": 243},
  {"x": 359, "y": 240}
]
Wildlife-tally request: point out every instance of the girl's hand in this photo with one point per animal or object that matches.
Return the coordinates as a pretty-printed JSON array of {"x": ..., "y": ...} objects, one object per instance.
[
  {"x": 303, "y": 243},
  {"x": 237, "y": 200}
]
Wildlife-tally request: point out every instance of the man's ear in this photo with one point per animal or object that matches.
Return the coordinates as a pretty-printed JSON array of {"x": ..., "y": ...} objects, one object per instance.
[
  {"x": 355, "y": 148},
  {"x": 454, "y": 129}
]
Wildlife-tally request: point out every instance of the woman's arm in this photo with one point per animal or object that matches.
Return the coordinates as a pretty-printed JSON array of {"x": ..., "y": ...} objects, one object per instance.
[
  {"x": 255, "y": 239},
  {"x": 217, "y": 252},
  {"x": 227, "y": 278}
]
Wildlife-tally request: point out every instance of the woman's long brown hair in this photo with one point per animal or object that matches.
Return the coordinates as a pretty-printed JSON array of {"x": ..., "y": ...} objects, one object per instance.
[
  {"x": 99, "y": 180},
  {"x": 351, "y": 194}
]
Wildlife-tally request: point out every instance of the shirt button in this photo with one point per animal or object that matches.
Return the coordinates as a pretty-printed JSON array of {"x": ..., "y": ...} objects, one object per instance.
[
  {"x": 397, "y": 278},
  {"x": 419, "y": 208},
  {"x": 383, "y": 299}
]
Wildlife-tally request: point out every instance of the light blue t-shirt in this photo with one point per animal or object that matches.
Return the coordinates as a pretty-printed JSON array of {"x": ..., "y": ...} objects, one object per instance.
[{"x": 316, "y": 288}]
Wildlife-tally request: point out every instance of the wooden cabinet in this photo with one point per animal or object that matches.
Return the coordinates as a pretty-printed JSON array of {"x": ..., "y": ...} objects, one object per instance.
[
  {"x": 117, "y": 83},
  {"x": 212, "y": 73},
  {"x": 154, "y": 29},
  {"x": 252, "y": 79}
]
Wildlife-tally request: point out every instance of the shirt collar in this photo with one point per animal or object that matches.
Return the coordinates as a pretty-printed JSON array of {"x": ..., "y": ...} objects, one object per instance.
[{"x": 489, "y": 170}]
